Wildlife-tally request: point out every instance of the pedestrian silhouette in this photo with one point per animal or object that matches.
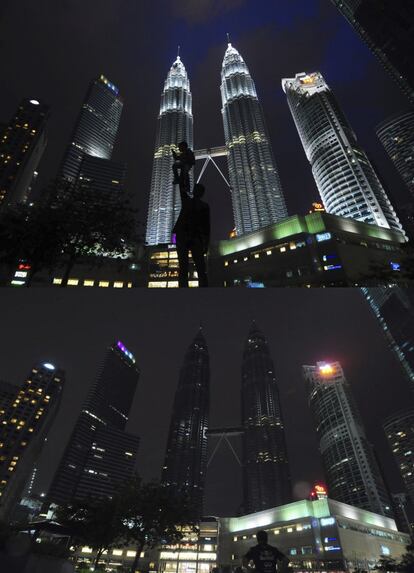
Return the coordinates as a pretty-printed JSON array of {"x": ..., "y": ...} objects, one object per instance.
[
  {"x": 192, "y": 231},
  {"x": 265, "y": 556}
]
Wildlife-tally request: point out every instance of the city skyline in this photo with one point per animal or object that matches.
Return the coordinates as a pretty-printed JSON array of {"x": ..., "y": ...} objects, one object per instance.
[
  {"x": 158, "y": 332},
  {"x": 202, "y": 60}
]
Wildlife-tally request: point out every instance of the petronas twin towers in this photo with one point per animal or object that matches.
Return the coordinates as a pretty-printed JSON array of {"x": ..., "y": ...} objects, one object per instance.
[
  {"x": 254, "y": 180},
  {"x": 266, "y": 479}
]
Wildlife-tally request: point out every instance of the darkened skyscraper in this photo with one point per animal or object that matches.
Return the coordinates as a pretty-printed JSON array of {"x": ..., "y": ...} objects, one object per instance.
[
  {"x": 96, "y": 127},
  {"x": 186, "y": 456},
  {"x": 8, "y": 393},
  {"x": 265, "y": 465},
  {"x": 256, "y": 190},
  {"x": 387, "y": 26},
  {"x": 397, "y": 136},
  {"x": 394, "y": 309},
  {"x": 352, "y": 472},
  {"x": 22, "y": 145},
  {"x": 100, "y": 454},
  {"x": 24, "y": 428},
  {"x": 399, "y": 430}
]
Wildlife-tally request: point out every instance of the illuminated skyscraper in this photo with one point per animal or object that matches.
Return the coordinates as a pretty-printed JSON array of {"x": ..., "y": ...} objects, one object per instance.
[
  {"x": 96, "y": 128},
  {"x": 175, "y": 124},
  {"x": 24, "y": 428},
  {"x": 393, "y": 307},
  {"x": 22, "y": 144},
  {"x": 399, "y": 430},
  {"x": 265, "y": 466},
  {"x": 352, "y": 472},
  {"x": 100, "y": 454},
  {"x": 255, "y": 185},
  {"x": 186, "y": 456},
  {"x": 346, "y": 180},
  {"x": 387, "y": 26}
]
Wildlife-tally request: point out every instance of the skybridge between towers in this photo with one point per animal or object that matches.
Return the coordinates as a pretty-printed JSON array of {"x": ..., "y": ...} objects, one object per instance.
[
  {"x": 223, "y": 434},
  {"x": 208, "y": 156}
]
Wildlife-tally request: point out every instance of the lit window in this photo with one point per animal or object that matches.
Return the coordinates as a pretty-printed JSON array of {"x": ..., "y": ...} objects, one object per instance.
[
  {"x": 117, "y": 552},
  {"x": 268, "y": 252},
  {"x": 88, "y": 283},
  {"x": 118, "y": 284},
  {"x": 131, "y": 553},
  {"x": 283, "y": 250},
  {"x": 104, "y": 284},
  {"x": 73, "y": 282},
  {"x": 257, "y": 256},
  {"x": 57, "y": 281},
  {"x": 173, "y": 284}
]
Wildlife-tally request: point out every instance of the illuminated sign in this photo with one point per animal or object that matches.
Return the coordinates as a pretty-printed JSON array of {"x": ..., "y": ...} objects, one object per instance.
[
  {"x": 325, "y": 521},
  {"x": 395, "y": 266},
  {"x": 125, "y": 351},
  {"x": 320, "y": 237}
]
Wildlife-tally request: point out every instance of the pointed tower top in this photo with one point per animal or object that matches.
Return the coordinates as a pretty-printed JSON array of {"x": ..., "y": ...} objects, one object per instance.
[
  {"x": 178, "y": 52},
  {"x": 228, "y": 39}
]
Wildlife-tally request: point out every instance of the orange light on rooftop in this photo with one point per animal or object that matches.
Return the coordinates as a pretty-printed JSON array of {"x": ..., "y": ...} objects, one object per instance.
[{"x": 326, "y": 369}]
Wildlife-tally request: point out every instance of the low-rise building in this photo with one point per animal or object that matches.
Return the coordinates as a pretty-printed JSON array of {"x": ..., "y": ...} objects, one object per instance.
[{"x": 317, "y": 249}]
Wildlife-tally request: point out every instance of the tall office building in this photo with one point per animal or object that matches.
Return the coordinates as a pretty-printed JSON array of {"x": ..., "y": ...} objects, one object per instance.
[
  {"x": 346, "y": 180},
  {"x": 352, "y": 472},
  {"x": 24, "y": 428},
  {"x": 393, "y": 307},
  {"x": 256, "y": 190},
  {"x": 175, "y": 124},
  {"x": 387, "y": 26},
  {"x": 8, "y": 393},
  {"x": 266, "y": 478},
  {"x": 399, "y": 430},
  {"x": 96, "y": 127},
  {"x": 397, "y": 136},
  {"x": 185, "y": 464},
  {"x": 100, "y": 454},
  {"x": 104, "y": 177},
  {"x": 22, "y": 145}
]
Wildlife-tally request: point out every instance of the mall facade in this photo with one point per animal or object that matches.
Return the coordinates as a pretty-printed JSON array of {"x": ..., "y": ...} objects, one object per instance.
[{"x": 319, "y": 535}]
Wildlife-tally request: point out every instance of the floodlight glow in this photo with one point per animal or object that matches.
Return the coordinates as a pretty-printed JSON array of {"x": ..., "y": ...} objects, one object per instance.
[
  {"x": 34, "y": 102},
  {"x": 48, "y": 366},
  {"x": 326, "y": 369}
]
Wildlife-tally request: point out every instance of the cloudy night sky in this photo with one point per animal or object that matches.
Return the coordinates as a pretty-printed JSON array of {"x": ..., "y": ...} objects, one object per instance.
[
  {"x": 72, "y": 329},
  {"x": 51, "y": 50}
]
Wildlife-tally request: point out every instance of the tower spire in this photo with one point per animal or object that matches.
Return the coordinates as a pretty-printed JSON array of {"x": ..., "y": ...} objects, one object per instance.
[
  {"x": 178, "y": 51},
  {"x": 228, "y": 37}
]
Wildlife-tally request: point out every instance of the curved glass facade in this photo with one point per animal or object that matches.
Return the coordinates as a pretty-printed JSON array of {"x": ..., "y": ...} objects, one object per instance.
[
  {"x": 397, "y": 136},
  {"x": 175, "y": 124},
  {"x": 346, "y": 180},
  {"x": 265, "y": 465},
  {"x": 351, "y": 470},
  {"x": 185, "y": 463},
  {"x": 256, "y": 190},
  {"x": 96, "y": 129}
]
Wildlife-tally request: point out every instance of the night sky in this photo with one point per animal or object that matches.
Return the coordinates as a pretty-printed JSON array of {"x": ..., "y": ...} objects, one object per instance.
[
  {"x": 51, "y": 50},
  {"x": 72, "y": 328}
]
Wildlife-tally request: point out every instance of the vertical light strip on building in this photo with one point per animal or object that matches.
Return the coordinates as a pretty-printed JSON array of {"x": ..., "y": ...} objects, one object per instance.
[
  {"x": 256, "y": 190},
  {"x": 175, "y": 124}
]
